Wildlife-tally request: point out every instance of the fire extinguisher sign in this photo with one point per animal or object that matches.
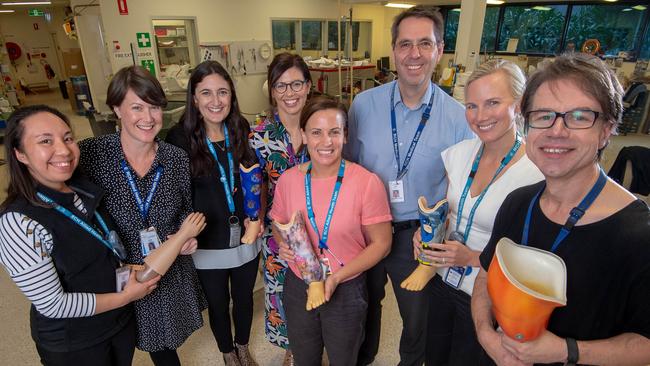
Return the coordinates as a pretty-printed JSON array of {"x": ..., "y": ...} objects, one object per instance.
[{"x": 121, "y": 6}]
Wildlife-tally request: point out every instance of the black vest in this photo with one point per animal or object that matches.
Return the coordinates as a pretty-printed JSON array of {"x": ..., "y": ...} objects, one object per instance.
[{"x": 83, "y": 264}]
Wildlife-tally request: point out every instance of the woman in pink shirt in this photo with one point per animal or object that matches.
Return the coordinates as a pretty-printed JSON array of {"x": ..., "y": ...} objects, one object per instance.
[{"x": 357, "y": 237}]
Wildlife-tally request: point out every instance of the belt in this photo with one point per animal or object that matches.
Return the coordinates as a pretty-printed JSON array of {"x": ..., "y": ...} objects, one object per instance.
[{"x": 404, "y": 225}]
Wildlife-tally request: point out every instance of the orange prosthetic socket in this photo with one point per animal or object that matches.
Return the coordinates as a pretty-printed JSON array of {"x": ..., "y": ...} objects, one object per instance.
[
  {"x": 525, "y": 285},
  {"x": 160, "y": 259}
]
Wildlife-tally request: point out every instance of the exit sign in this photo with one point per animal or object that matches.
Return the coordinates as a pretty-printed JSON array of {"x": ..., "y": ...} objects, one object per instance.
[{"x": 36, "y": 13}]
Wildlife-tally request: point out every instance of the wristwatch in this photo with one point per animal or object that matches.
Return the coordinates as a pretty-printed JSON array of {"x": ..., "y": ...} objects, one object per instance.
[{"x": 572, "y": 352}]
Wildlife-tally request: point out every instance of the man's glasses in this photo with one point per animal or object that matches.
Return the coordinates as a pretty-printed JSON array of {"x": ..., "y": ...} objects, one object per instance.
[
  {"x": 295, "y": 85},
  {"x": 577, "y": 119}
]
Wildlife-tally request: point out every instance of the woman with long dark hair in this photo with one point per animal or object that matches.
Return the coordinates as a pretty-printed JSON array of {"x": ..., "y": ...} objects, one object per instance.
[
  {"x": 57, "y": 246},
  {"x": 215, "y": 135},
  {"x": 278, "y": 144}
]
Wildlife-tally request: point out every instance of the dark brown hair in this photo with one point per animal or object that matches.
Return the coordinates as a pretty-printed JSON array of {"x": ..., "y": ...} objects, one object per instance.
[
  {"x": 138, "y": 79},
  {"x": 587, "y": 72},
  {"x": 21, "y": 182},
  {"x": 420, "y": 11},
  {"x": 321, "y": 103},
  {"x": 281, "y": 63},
  {"x": 201, "y": 161}
]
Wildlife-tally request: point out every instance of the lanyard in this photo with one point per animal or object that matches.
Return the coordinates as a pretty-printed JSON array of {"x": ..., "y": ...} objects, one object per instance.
[
  {"x": 228, "y": 188},
  {"x": 293, "y": 160},
  {"x": 393, "y": 123},
  {"x": 322, "y": 241},
  {"x": 142, "y": 206},
  {"x": 575, "y": 214},
  {"x": 470, "y": 219},
  {"x": 84, "y": 225}
]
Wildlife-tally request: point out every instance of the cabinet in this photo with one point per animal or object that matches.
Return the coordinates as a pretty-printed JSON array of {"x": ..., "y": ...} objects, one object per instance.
[{"x": 176, "y": 42}]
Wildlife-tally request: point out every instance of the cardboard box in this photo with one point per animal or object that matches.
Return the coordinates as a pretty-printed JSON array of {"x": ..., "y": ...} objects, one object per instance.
[{"x": 73, "y": 63}]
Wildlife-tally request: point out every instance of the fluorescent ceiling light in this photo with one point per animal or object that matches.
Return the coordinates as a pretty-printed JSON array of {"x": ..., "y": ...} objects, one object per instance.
[
  {"x": 28, "y": 3},
  {"x": 399, "y": 5},
  {"x": 627, "y": 9},
  {"x": 494, "y": 2},
  {"x": 456, "y": 9},
  {"x": 542, "y": 8},
  {"x": 639, "y": 7},
  {"x": 611, "y": 1},
  {"x": 11, "y": 11}
]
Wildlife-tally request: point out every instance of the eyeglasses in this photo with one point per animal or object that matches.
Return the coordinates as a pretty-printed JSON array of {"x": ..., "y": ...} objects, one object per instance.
[
  {"x": 296, "y": 86},
  {"x": 577, "y": 119},
  {"x": 424, "y": 46}
]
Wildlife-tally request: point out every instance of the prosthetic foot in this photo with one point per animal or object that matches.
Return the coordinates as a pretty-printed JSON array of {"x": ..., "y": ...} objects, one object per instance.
[
  {"x": 432, "y": 230},
  {"x": 160, "y": 259},
  {"x": 295, "y": 235},
  {"x": 251, "y": 179}
]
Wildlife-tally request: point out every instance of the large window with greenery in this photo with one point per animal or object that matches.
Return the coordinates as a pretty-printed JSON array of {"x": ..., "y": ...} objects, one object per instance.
[
  {"x": 616, "y": 27},
  {"x": 333, "y": 34},
  {"x": 311, "y": 34},
  {"x": 549, "y": 29},
  {"x": 284, "y": 34},
  {"x": 535, "y": 29}
]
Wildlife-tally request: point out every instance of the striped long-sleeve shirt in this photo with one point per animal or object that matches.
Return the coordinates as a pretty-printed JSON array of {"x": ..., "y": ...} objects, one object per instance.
[{"x": 25, "y": 247}]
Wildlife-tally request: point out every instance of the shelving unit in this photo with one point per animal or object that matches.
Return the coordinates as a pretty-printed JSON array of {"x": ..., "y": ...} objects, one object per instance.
[{"x": 175, "y": 43}]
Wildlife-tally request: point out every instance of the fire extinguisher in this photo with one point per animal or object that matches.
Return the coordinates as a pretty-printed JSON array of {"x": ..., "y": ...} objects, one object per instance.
[{"x": 320, "y": 84}]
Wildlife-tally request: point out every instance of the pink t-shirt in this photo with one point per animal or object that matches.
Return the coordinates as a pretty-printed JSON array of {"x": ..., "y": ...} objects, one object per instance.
[{"x": 362, "y": 201}]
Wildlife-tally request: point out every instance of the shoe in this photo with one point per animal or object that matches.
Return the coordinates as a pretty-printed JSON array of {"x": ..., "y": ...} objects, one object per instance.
[
  {"x": 288, "y": 359},
  {"x": 231, "y": 359},
  {"x": 245, "y": 358}
]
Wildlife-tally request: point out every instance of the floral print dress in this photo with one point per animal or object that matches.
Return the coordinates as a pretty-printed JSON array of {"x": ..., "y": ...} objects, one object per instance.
[{"x": 272, "y": 145}]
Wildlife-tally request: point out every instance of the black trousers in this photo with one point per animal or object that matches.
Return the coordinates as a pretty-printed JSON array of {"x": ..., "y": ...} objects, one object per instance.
[
  {"x": 115, "y": 351},
  {"x": 451, "y": 338},
  {"x": 413, "y": 306},
  {"x": 220, "y": 285},
  {"x": 337, "y": 325}
]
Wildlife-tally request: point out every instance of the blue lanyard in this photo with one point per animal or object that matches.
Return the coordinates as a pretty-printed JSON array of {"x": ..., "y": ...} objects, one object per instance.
[
  {"x": 470, "y": 220},
  {"x": 293, "y": 160},
  {"x": 228, "y": 188},
  {"x": 575, "y": 214},
  {"x": 393, "y": 123},
  {"x": 322, "y": 241},
  {"x": 142, "y": 206},
  {"x": 84, "y": 225}
]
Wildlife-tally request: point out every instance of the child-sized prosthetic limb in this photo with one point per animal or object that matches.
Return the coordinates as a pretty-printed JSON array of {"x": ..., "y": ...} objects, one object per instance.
[
  {"x": 251, "y": 180},
  {"x": 432, "y": 229},
  {"x": 160, "y": 259},
  {"x": 295, "y": 235}
]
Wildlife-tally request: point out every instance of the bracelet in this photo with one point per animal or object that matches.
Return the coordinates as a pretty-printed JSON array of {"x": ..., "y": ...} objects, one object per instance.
[{"x": 572, "y": 352}]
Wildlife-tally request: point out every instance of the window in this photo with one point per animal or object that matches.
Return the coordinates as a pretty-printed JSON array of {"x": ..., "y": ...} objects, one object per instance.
[
  {"x": 451, "y": 28},
  {"x": 645, "y": 50},
  {"x": 616, "y": 27},
  {"x": 333, "y": 34},
  {"x": 538, "y": 29},
  {"x": 311, "y": 34},
  {"x": 490, "y": 24},
  {"x": 284, "y": 34}
]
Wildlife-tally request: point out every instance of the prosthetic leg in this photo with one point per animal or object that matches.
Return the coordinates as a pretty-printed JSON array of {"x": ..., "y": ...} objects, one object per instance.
[
  {"x": 432, "y": 230},
  {"x": 525, "y": 285},
  {"x": 160, "y": 259},
  {"x": 295, "y": 235},
  {"x": 251, "y": 180}
]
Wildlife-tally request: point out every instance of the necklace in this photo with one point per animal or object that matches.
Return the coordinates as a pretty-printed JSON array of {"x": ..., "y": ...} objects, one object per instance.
[{"x": 220, "y": 145}]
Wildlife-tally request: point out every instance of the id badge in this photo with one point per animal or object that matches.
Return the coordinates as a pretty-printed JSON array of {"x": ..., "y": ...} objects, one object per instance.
[
  {"x": 235, "y": 231},
  {"x": 396, "y": 191},
  {"x": 149, "y": 240},
  {"x": 325, "y": 264},
  {"x": 121, "y": 277}
]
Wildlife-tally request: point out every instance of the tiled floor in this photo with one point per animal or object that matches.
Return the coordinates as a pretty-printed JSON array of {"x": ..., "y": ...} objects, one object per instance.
[{"x": 17, "y": 347}]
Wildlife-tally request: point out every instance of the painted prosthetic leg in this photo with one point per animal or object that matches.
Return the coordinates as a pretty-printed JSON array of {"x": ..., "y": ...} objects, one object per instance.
[
  {"x": 525, "y": 285},
  {"x": 251, "y": 180},
  {"x": 295, "y": 235},
  {"x": 160, "y": 259},
  {"x": 432, "y": 230}
]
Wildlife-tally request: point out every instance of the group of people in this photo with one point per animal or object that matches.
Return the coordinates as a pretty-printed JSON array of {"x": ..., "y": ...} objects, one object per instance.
[{"x": 77, "y": 218}]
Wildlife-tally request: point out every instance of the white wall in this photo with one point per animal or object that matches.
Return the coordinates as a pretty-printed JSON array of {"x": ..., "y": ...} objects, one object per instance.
[
  {"x": 226, "y": 20},
  {"x": 19, "y": 27}
]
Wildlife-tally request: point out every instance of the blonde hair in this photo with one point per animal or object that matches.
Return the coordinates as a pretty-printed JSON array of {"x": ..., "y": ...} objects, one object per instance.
[{"x": 517, "y": 79}]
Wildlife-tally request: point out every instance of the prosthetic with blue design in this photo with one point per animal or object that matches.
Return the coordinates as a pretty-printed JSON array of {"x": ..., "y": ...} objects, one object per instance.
[
  {"x": 251, "y": 182},
  {"x": 433, "y": 221}
]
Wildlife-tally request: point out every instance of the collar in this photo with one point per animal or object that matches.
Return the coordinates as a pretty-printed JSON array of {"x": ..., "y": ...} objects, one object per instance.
[
  {"x": 89, "y": 193},
  {"x": 423, "y": 101}
]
